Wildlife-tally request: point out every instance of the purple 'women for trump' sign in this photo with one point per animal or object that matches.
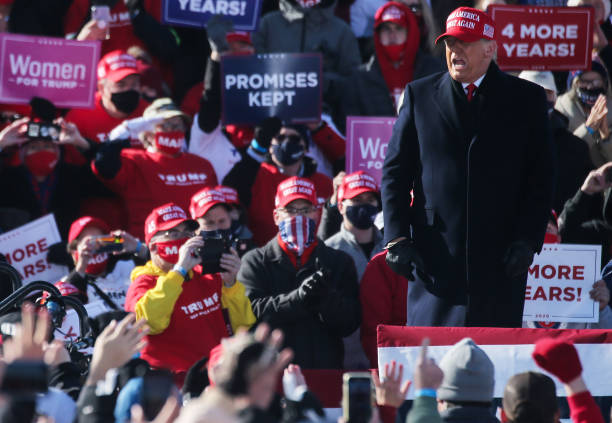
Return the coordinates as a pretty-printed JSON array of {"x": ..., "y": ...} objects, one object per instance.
[
  {"x": 366, "y": 143},
  {"x": 62, "y": 71}
]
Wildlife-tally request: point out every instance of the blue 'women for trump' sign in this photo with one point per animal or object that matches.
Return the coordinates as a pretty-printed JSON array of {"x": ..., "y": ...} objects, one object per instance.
[
  {"x": 255, "y": 87},
  {"x": 196, "y": 13}
]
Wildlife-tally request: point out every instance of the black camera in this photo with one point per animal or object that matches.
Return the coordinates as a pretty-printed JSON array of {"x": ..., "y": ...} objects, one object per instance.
[
  {"x": 43, "y": 130},
  {"x": 216, "y": 243}
]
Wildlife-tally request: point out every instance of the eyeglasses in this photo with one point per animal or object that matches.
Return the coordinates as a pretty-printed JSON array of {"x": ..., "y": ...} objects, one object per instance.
[
  {"x": 292, "y": 211},
  {"x": 173, "y": 234}
]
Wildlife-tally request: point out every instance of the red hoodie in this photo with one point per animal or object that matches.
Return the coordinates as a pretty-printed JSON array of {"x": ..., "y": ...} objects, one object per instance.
[
  {"x": 399, "y": 74},
  {"x": 147, "y": 180},
  {"x": 384, "y": 301}
]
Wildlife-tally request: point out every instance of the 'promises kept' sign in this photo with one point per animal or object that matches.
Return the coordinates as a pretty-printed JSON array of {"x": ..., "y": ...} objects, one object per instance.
[{"x": 259, "y": 86}]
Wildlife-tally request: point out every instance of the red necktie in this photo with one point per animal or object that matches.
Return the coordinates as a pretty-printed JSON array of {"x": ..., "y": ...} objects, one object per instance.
[{"x": 470, "y": 91}]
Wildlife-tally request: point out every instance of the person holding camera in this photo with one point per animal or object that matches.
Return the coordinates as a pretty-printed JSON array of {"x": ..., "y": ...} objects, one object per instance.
[
  {"x": 210, "y": 208},
  {"x": 185, "y": 306},
  {"x": 299, "y": 285},
  {"x": 44, "y": 181},
  {"x": 103, "y": 262}
]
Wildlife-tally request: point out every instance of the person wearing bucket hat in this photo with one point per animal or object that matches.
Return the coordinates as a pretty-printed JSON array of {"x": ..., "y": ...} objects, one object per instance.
[
  {"x": 298, "y": 284},
  {"x": 451, "y": 129},
  {"x": 177, "y": 297},
  {"x": 162, "y": 172}
]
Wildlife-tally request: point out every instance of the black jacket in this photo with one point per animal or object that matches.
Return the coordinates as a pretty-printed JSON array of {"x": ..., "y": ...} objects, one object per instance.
[
  {"x": 587, "y": 219},
  {"x": 573, "y": 160},
  {"x": 315, "y": 334},
  {"x": 71, "y": 185},
  {"x": 482, "y": 174}
]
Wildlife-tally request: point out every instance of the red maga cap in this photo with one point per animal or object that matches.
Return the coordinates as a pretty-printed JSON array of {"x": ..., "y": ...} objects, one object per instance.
[
  {"x": 239, "y": 36},
  {"x": 116, "y": 65},
  {"x": 165, "y": 217},
  {"x": 295, "y": 188},
  {"x": 231, "y": 195},
  {"x": 84, "y": 222},
  {"x": 469, "y": 25},
  {"x": 204, "y": 200},
  {"x": 393, "y": 12},
  {"x": 356, "y": 183}
]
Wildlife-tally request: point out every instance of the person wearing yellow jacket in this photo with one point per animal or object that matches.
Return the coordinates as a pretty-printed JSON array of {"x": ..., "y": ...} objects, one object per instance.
[{"x": 187, "y": 309}]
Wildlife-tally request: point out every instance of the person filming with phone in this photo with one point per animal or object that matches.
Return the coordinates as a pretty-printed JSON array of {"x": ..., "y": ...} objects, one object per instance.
[
  {"x": 103, "y": 262},
  {"x": 184, "y": 303}
]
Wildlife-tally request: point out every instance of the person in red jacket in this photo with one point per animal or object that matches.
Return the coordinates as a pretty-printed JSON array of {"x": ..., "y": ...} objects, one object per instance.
[
  {"x": 117, "y": 99},
  {"x": 183, "y": 303},
  {"x": 162, "y": 172},
  {"x": 287, "y": 158}
]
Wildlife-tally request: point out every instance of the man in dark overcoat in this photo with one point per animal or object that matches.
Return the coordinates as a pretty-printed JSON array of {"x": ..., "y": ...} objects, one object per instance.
[{"x": 473, "y": 145}]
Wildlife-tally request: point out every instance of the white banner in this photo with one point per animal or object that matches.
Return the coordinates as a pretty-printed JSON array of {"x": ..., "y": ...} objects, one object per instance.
[
  {"x": 510, "y": 360},
  {"x": 26, "y": 248},
  {"x": 559, "y": 282}
]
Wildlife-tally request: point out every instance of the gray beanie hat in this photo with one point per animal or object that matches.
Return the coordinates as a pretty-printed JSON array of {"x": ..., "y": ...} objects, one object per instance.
[{"x": 469, "y": 374}]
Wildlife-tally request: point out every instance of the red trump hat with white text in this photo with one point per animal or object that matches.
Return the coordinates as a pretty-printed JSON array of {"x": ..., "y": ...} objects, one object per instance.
[
  {"x": 469, "y": 25},
  {"x": 165, "y": 217},
  {"x": 295, "y": 188}
]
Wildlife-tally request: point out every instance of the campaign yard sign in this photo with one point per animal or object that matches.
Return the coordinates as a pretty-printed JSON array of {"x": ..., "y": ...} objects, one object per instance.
[
  {"x": 543, "y": 38},
  {"x": 62, "y": 71},
  {"x": 509, "y": 350},
  {"x": 25, "y": 248},
  {"x": 244, "y": 14},
  {"x": 256, "y": 87},
  {"x": 367, "y": 139},
  {"x": 559, "y": 282}
]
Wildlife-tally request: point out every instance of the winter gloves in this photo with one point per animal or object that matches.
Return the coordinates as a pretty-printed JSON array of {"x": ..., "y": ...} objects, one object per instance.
[
  {"x": 217, "y": 28},
  {"x": 518, "y": 258},
  {"x": 558, "y": 357},
  {"x": 315, "y": 287},
  {"x": 403, "y": 258}
]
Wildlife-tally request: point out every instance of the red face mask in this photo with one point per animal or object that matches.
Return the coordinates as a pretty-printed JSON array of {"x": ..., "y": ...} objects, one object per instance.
[
  {"x": 168, "y": 250},
  {"x": 550, "y": 238},
  {"x": 170, "y": 142},
  {"x": 395, "y": 52},
  {"x": 97, "y": 264},
  {"x": 41, "y": 163}
]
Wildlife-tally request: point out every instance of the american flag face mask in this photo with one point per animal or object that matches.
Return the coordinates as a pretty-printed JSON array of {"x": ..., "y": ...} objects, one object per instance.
[{"x": 298, "y": 232}]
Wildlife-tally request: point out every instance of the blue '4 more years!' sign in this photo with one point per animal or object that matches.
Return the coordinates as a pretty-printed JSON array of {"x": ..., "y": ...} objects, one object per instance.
[
  {"x": 244, "y": 14},
  {"x": 288, "y": 86}
]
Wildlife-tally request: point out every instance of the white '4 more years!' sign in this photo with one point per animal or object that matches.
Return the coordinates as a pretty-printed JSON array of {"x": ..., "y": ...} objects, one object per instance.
[
  {"x": 26, "y": 247},
  {"x": 559, "y": 282}
]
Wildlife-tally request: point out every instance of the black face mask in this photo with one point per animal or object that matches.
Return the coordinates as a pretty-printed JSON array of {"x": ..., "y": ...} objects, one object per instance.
[
  {"x": 589, "y": 97},
  {"x": 126, "y": 101},
  {"x": 289, "y": 151},
  {"x": 361, "y": 215}
]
